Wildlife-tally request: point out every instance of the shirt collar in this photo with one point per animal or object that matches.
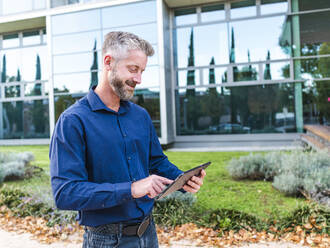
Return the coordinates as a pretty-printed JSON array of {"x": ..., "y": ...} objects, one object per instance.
[{"x": 96, "y": 103}]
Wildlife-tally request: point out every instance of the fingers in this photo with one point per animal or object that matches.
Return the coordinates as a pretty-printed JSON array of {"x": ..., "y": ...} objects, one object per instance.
[
  {"x": 203, "y": 174},
  {"x": 194, "y": 184},
  {"x": 150, "y": 186}
]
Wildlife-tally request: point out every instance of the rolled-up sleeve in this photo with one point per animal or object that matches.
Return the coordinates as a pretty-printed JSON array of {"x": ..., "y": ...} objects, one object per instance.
[{"x": 69, "y": 177}]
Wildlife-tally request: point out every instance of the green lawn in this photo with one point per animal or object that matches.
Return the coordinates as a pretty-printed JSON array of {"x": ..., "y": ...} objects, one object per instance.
[{"x": 219, "y": 190}]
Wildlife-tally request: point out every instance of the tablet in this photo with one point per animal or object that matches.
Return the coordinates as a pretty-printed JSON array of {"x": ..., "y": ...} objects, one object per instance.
[{"x": 181, "y": 180}]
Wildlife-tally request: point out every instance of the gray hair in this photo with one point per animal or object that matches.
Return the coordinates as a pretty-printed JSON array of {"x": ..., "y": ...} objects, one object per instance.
[{"x": 119, "y": 43}]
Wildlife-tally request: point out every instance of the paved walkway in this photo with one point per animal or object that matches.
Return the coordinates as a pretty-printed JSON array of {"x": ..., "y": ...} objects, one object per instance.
[{"x": 14, "y": 240}]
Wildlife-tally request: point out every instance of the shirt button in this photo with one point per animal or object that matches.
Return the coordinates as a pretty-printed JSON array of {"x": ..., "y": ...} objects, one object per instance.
[
  {"x": 124, "y": 134},
  {"x": 129, "y": 158}
]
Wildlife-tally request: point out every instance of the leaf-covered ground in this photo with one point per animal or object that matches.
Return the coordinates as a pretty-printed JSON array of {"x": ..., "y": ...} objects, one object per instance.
[{"x": 199, "y": 236}]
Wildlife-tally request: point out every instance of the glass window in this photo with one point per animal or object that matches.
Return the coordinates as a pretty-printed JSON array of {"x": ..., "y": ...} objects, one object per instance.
[
  {"x": 253, "y": 44},
  {"x": 39, "y": 4},
  {"x": 191, "y": 77},
  {"x": 215, "y": 76},
  {"x": 276, "y": 71},
  {"x": 185, "y": 16},
  {"x": 13, "y": 60},
  {"x": 62, "y": 102},
  {"x": 22, "y": 64},
  {"x": 246, "y": 73},
  {"x": 33, "y": 89},
  {"x": 76, "y": 22},
  {"x": 31, "y": 38},
  {"x": 145, "y": 31},
  {"x": 73, "y": 83},
  {"x": 75, "y": 62},
  {"x": 10, "y": 40},
  {"x": 81, "y": 42},
  {"x": 273, "y": 6},
  {"x": 16, "y": 6},
  {"x": 117, "y": 16},
  {"x": 315, "y": 4},
  {"x": 44, "y": 37},
  {"x": 12, "y": 91},
  {"x": 56, "y": 3},
  {"x": 316, "y": 102},
  {"x": 314, "y": 33},
  {"x": 242, "y": 9},
  {"x": 28, "y": 119},
  {"x": 314, "y": 68},
  {"x": 153, "y": 60},
  {"x": 32, "y": 67},
  {"x": 197, "y": 46},
  {"x": 232, "y": 110},
  {"x": 150, "y": 77},
  {"x": 213, "y": 13},
  {"x": 149, "y": 99}
]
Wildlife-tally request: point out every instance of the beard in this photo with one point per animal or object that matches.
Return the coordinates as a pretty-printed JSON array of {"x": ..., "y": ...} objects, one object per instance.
[{"x": 120, "y": 87}]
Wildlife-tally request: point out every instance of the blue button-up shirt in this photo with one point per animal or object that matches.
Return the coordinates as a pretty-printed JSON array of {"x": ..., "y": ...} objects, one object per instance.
[{"x": 96, "y": 154}]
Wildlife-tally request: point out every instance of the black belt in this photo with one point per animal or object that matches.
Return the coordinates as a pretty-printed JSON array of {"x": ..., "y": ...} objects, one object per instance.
[{"x": 127, "y": 229}]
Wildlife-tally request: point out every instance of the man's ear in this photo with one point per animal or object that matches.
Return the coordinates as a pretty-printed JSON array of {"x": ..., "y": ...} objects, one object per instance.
[{"x": 107, "y": 62}]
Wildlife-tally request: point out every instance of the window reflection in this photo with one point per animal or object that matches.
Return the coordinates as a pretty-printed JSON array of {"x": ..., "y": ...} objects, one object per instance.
[
  {"x": 316, "y": 109},
  {"x": 314, "y": 33},
  {"x": 315, "y": 4},
  {"x": 72, "y": 83},
  {"x": 76, "y": 22},
  {"x": 149, "y": 99},
  {"x": 150, "y": 77},
  {"x": 32, "y": 89},
  {"x": 315, "y": 68},
  {"x": 230, "y": 110},
  {"x": 244, "y": 8},
  {"x": 202, "y": 43},
  {"x": 185, "y": 16},
  {"x": 116, "y": 16},
  {"x": 191, "y": 77},
  {"x": 268, "y": 33},
  {"x": 28, "y": 119},
  {"x": 276, "y": 71},
  {"x": 75, "y": 62},
  {"x": 31, "y": 38},
  {"x": 10, "y": 40},
  {"x": 62, "y": 102},
  {"x": 213, "y": 13},
  {"x": 16, "y": 6},
  {"x": 215, "y": 75},
  {"x": 22, "y": 64},
  {"x": 145, "y": 31},
  {"x": 80, "y": 42},
  {"x": 271, "y": 6}
]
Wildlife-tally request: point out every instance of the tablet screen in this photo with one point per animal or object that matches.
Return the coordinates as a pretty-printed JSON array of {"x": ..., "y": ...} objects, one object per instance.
[{"x": 181, "y": 180}]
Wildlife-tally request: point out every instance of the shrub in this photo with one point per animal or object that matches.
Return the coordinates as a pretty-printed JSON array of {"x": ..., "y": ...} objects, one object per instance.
[
  {"x": 23, "y": 204},
  {"x": 256, "y": 166},
  {"x": 174, "y": 209},
  {"x": 296, "y": 173},
  {"x": 17, "y": 166}
]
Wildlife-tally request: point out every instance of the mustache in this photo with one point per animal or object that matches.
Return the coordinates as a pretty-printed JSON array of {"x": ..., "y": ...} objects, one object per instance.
[{"x": 130, "y": 83}]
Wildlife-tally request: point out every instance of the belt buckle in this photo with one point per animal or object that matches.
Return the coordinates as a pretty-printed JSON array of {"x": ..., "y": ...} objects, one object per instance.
[{"x": 143, "y": 227}]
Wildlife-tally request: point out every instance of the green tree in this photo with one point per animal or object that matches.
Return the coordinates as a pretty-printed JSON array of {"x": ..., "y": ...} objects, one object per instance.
[
  {"x": 94, "y": 68},
  {"x": 38, "y": 111}
]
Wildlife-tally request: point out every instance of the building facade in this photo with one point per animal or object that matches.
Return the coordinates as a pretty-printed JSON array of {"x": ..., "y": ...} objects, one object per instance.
[{"x": 225, "y": 73}]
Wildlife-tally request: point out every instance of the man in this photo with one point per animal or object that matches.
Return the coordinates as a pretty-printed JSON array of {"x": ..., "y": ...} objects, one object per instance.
[{"x": 105, "y": 158}]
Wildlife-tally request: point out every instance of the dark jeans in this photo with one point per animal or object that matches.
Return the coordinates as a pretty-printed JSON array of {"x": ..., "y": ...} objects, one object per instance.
[{"x": 96, "y": 240}]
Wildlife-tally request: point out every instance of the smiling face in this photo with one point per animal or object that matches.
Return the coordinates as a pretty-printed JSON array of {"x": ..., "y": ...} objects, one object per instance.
[{"x": 126, "y": 74}]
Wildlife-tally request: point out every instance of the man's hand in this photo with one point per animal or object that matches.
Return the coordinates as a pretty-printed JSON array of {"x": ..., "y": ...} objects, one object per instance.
[
  {"x": 150, "y": 186},
  {"x": 194, "y": 184}
]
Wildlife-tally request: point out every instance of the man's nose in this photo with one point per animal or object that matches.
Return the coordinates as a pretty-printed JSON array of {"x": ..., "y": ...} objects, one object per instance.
[{"x": 137, "y": 79}]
